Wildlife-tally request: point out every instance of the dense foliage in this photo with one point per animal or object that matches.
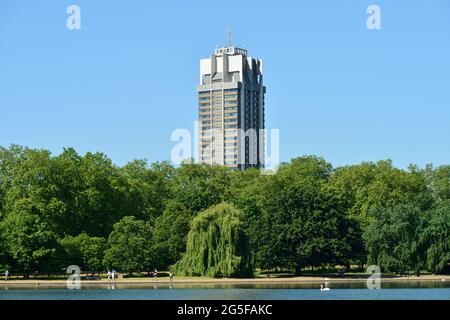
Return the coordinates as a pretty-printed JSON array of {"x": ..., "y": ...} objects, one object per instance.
[
  {"x": 217, "y": 245},
  {"x": 72, "y": 209}
]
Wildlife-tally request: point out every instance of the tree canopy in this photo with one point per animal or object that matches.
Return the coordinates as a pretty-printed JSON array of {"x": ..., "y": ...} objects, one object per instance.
[
  {"x": 85, "y": 210},
  {"x": 129, "y": 246},
  {"x": 217, "y": 245}
]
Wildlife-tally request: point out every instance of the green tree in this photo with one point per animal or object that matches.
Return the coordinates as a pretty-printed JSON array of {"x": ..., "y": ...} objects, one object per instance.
[
  {"x": 368, "y": 186},
  {"x": 29, "y": 240},
  {"x": 5, "y": 258},
  {"x": 217, "y": 245},
  {"x": 100, "y": 199},
  {"x": 72, "y": 194},
  {"x": 305, "y": 222},
  {"x": 149, "y": 188},
  {"x": 392, "y": 240},
  {"x": 130, "y": 246},
  {"x": 9, "y": 160},
  {"x": 85, "y": 251},
  {"x": 170, "y": 234},
  {"x": 198, "y": 187},
  {"x": 438, "y": 180},
  {"x": 436, "y": 239},
  {"x": 247, "y": 193}
]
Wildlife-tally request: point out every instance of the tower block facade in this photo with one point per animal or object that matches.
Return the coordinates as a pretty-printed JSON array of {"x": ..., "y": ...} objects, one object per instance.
[{"x": 231, "y": 109}]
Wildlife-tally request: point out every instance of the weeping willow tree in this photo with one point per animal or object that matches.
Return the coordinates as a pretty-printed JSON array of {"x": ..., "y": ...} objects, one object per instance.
[{"x": 217, "y": 245}]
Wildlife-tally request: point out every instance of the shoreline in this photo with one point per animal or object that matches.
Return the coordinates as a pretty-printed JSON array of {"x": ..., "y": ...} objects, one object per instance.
[{"x": 215, "y": 281}]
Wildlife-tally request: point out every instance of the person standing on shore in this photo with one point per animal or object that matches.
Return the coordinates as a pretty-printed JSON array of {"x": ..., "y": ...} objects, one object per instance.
[
  {"x": 171, "y": 280},
  {"x": 155, "y": 274},
  {"x": 109, "y": 275},
  {"x": 113, "y": 275},
  {"x": 6, "y": 275}
]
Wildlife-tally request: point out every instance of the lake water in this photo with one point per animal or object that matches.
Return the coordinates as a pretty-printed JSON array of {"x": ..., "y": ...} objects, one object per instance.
[{"x": 339, "y": 291}]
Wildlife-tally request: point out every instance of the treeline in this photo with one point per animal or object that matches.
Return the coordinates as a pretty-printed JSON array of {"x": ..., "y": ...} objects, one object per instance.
[{"x": 57, "y": 211}]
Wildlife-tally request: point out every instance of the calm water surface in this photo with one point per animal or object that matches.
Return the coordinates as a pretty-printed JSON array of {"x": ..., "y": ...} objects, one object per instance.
[{"x": 339, "y": 291}]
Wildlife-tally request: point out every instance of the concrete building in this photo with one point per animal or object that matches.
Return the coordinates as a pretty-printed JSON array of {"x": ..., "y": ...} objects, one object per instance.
[{"x": 231, "y": 109}]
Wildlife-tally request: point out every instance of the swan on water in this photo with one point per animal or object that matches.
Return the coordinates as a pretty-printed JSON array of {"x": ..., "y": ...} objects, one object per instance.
[{"x": 324, "y": 289}]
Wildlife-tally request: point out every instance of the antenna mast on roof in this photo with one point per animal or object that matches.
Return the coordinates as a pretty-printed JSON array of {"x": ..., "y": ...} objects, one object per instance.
[{"x": 230, "y": 35}]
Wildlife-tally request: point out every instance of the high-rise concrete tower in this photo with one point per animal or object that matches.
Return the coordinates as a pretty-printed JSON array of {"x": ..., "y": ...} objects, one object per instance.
[{"x": 231, "y": 109}]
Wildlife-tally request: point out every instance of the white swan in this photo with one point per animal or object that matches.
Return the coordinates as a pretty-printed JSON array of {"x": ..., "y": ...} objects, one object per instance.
[{"x": 324, "y": 289}]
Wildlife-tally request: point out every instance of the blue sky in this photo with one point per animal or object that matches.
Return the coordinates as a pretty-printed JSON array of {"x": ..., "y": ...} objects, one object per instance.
[{"x": 127, "y": 79}]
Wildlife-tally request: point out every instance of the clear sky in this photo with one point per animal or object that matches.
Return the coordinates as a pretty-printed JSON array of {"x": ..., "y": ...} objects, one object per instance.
[{"x": 127, "y": 79}]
